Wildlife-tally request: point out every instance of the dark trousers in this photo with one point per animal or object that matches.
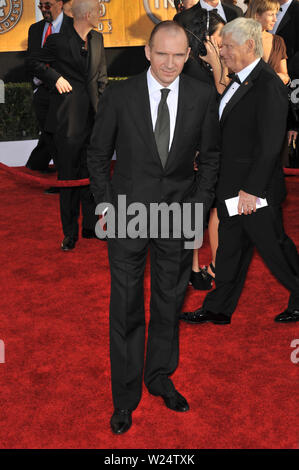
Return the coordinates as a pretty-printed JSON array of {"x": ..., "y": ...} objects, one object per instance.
[
  {"x": 70, "y": 199},
  {"x": 237, "y": 237},
  {"x": 170, "y": 273},
  {"x": 71, "y": 165},
  {"x": 45, "y": 149}
]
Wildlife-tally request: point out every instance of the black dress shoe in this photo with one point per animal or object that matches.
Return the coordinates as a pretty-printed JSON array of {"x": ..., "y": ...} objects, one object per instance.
[
  {"x": 204, "y": 316},
  {"x": 176, "y": 402},
  {"x": 68, "y": 243},
  {"x": 52, "y": 190},
  {"x": 121, "y": 421},
  {"x": 288, "y": 316},
  {"x": 202, "y": 280}
]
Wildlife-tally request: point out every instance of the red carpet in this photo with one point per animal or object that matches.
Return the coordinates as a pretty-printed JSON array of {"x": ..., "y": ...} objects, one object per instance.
[{"x": 55, "y": 390}]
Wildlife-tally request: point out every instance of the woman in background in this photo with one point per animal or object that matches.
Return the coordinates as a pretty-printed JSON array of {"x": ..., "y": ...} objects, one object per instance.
[{"x": 204, "y": 64}]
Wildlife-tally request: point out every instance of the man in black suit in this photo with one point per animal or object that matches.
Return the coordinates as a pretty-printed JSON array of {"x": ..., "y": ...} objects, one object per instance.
[
  {"x": 77, "y": 76},
  {"x": 225, "y": 11},
  {"x": 156, "y": 121},
  {"x": 287, "y": 26},
  {"x": 54, "y": 22},
  {"x": 253, "y": 115}
]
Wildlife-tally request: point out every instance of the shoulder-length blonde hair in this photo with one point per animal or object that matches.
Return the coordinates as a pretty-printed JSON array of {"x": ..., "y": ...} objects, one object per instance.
[{"x": 258, "y": 7}]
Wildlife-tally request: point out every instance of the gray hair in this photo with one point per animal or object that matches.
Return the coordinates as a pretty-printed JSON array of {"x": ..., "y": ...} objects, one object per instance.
[
  {"x": 243, "y": 29},
  {"x": 81, "y": 7}
]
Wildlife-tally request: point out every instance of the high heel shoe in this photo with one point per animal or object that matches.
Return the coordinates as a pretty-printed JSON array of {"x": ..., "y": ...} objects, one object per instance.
[{"x": 202, "y": 280}]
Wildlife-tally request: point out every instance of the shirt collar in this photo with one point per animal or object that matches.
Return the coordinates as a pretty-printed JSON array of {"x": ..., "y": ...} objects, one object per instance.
[
  {"x": 243, "y": 74},
  {"x": 57, "y": 23},
  {"x": 286, "y": 5},
  {"x": 154, "y": 85}
]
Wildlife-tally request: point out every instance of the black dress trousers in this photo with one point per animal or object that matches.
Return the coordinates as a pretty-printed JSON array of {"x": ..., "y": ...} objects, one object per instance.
[
  {"x": 238, "y": 235},
  {"x": 43, "y": 153},
  {"x": 170, "y": 273}
]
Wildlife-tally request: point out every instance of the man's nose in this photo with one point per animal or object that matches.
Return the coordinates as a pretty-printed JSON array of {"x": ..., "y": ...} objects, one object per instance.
[{"x": 169, "y": 62}]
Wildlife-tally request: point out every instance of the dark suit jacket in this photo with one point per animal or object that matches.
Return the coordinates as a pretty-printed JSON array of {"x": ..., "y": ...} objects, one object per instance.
[
  {"x": 253, "y": 127},
  {"x": 69, "y": 112},
  {"x": 35, "y": 35},
  {"x": 288, "y": 29},
  {"x": 124, "y": 123},
  {"x": 186, "y": 16}
]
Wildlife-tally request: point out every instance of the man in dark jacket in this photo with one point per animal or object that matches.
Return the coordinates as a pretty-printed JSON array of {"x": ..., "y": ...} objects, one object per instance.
[
  {"x": 54, "y": 21},
  {"x": 73, "y": 65}
]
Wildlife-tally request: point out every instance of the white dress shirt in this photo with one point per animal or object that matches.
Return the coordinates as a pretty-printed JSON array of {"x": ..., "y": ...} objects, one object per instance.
[
  {"x": 56, "y": 25},
  {"x": 243, "y": 74},
  {"x": 280, "y": 15},
  {"x": 154, "y": 88},
  {"x": 219, "y": 8}
]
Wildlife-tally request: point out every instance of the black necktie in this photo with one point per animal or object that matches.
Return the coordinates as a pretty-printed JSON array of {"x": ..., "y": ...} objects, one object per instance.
[
  {"x": 162, "y": 127},
  {"x": 234, "y": 77}
]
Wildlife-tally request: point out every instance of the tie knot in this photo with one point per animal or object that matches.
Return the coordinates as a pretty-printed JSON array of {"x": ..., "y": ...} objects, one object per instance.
[{"x": 164, "y": 93}]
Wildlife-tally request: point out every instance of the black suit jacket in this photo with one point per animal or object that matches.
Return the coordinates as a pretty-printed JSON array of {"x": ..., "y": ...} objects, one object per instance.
[
  {"x": 124, "y": 123},
  {"x": 186, "y": 16},
  {"x": 288, "y": 29},
  {"x": 253, "y": 126},
  {"x": 69, "y": 112},
  {"x": 35, "y": 35}
]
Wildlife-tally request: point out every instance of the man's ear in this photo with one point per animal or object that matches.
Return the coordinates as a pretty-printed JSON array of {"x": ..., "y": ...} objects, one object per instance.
[
  {"x": 188, "y": 53},
  {"x": 147, "y": 51},
  {"x": 250, "y": 44}
]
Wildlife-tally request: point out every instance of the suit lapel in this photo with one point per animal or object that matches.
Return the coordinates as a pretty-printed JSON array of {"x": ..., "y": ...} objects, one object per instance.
[
  {"x": 94, "y": 55},
  {"x": 285, "y": 19},
  {"x": 241, "y": 91},
  {"x": 142, "y": 115},
  {"x": 184, "y": 107},
  {"x": 75, "y": 49}
]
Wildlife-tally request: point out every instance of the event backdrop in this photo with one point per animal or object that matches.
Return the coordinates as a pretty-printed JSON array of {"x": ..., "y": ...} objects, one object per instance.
[{"x": 123, "y": 22}]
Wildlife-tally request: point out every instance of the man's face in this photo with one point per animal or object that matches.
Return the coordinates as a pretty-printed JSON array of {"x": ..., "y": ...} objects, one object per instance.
[
  {"x": 50, "y": 9},
  {"x": 94, "y": 14},
  {"x": 167, "y": 55},
  {"x": 67, "y": 9},
  {"x": 236, "y": 56}
]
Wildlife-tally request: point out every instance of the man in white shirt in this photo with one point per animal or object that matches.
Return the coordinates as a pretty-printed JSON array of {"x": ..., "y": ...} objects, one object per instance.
[
  {"x": 253, "y": 116},
  {"x": 156, "y": 121}
]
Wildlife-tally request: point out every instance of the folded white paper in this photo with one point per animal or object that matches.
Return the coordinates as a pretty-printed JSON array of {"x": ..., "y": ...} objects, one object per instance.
[{"x": 232, "y": 204}]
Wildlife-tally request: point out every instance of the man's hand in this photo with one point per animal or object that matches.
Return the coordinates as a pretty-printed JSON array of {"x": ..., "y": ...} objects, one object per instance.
[
  {"x": 292, "y": 136},
  {"x": 63, "y": 86},
  {"x": 247, "y": 203}
]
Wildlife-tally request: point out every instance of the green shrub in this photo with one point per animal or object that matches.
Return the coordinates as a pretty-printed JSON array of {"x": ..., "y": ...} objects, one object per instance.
[{"x": 17, "y": 118}]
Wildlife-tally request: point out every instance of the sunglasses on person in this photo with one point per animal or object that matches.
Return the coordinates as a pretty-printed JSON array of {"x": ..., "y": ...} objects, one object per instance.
[{"x": 46, "y": 6}]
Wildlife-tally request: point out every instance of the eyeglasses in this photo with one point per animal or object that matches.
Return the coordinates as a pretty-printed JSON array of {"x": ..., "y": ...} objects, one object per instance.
[{"x": 46, "y": 6}]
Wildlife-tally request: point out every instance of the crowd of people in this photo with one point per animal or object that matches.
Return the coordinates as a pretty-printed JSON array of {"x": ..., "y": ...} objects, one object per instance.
[{"x": 208, "y": 122}]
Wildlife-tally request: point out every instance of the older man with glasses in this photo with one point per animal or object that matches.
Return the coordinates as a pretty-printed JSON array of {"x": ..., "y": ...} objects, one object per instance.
[{"x": 54, "y": 21}]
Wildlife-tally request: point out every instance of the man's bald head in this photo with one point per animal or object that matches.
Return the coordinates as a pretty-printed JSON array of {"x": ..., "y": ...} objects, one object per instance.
[
  {"x": 170, "y": 27},
  {"x": 80, "y": 8}
]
